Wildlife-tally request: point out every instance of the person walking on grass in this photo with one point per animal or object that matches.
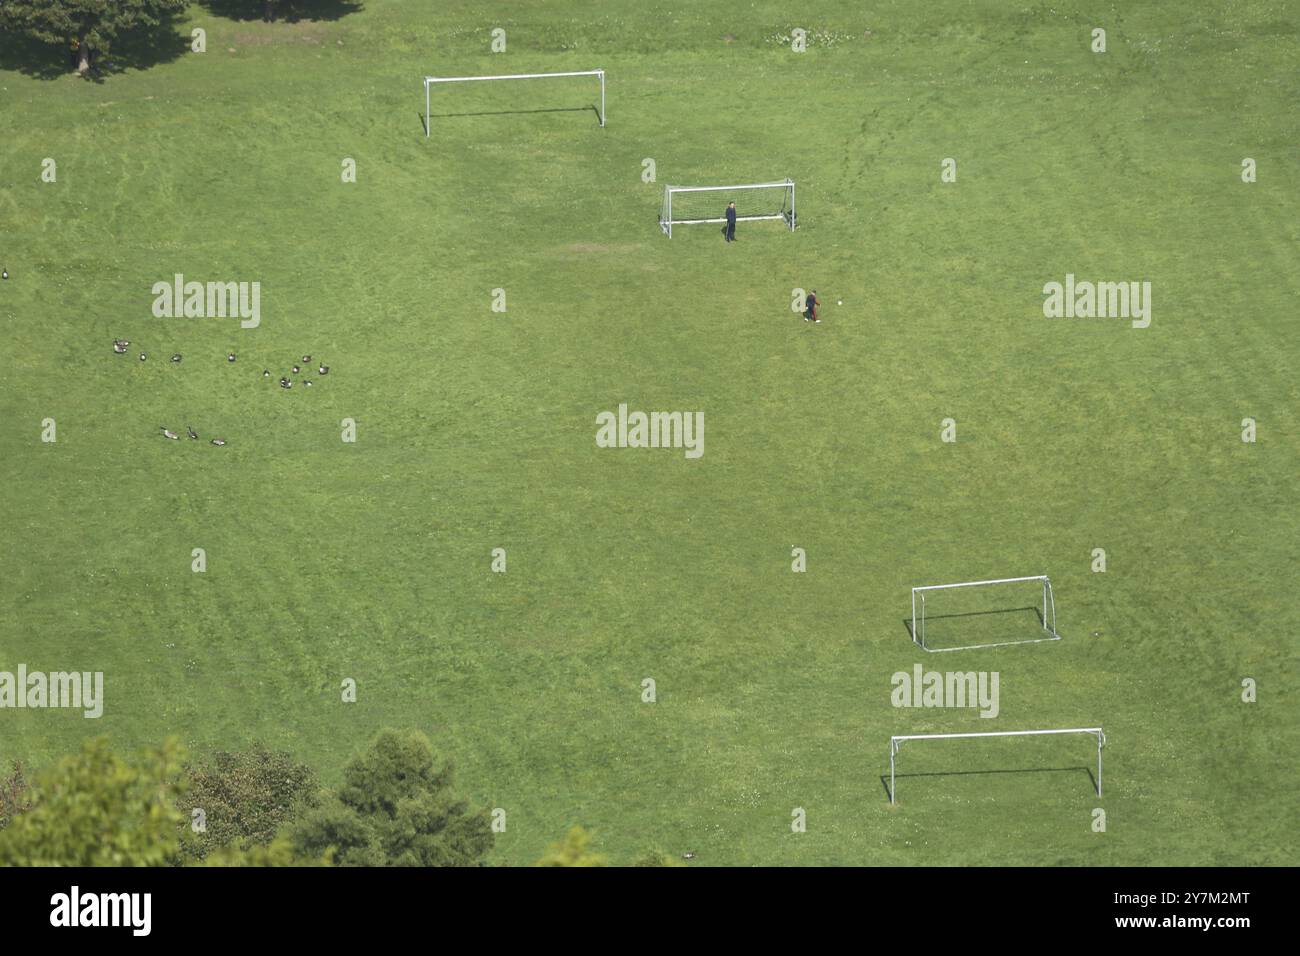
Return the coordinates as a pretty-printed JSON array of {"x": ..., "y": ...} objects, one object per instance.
[
  {"x": 810, "y": 307},
  {"x": 731, "y": 222}
]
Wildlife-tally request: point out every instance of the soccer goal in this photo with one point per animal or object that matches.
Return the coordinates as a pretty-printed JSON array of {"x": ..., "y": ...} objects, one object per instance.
[
  {"x": 689, "y": 205},
  {"x": 896, "y": 742},
  {"x": 1004, "y": 607},
  {"x": 429, "y": 81}
]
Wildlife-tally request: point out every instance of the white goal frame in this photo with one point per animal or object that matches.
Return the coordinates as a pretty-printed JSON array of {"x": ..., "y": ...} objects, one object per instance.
[
  {"x": 1049, "y": 613},
  {"x": 896, "y": 742},
  {"x": 666, "y": 220},
  {"x": 430, "y": 80}
]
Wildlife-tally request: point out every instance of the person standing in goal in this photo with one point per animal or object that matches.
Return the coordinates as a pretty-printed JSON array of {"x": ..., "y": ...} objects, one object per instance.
[
  {"x": 810, "y": 310},
  {"x": 731, "y": 222}
]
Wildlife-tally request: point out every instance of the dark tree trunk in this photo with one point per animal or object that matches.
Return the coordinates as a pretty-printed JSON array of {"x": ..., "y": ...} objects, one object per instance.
[{"x": 268, "y": 10}]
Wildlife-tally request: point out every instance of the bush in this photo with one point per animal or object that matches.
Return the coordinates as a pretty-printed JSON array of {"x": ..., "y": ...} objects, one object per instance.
[
  {"x": 14, "y": 796},
  {"x": 246, "y": 796}
]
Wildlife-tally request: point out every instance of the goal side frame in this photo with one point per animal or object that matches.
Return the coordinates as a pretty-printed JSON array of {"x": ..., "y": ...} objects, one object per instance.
[
  {"x": 666, "y": 220},
  {"x": 430, "y": 80},
  {"x": 896, "y": 742},
  {"x": 1048, "y": 616}
]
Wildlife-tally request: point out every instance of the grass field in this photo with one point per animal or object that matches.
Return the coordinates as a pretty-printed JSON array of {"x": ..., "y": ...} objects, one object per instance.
[{"x": 475, "y": 429}]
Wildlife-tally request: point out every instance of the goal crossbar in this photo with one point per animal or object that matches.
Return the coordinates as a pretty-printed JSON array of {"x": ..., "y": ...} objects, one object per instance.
[
  {"x": 430, "y": 80},
  {"x": 1048, "y": 614},
  {"x": 667, "y": 221},
  {"x": 896, "y": 741}
]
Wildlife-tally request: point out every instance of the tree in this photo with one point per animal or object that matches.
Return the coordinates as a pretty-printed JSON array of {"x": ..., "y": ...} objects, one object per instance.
[
  {"x": 572, "y": 851},
  {"x": 279, "y": 852},
  {"x": 92, "y": 25},
  {"x": 397, "y": 807},
  {"x": 245, "y": 798},
  {"x": 96, "y": 808}
]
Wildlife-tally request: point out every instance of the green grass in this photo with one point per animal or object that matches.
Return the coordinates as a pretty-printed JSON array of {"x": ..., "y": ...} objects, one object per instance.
[{"x": 476, "y": 429}]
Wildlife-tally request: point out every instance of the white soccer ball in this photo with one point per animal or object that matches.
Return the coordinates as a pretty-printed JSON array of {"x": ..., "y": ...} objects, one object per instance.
[{"x": 841, "y": 302}]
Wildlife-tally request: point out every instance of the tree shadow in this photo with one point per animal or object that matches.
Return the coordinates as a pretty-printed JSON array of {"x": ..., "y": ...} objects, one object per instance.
[
  {"x": 552, "y": 109},
  {"x": 142, "y": 50},
  {"x": 884, "y": 777},
  {"x": 32, "y": 57},
  {"x": 132, "y": 50},
  {"x": 289, "y": 11}
]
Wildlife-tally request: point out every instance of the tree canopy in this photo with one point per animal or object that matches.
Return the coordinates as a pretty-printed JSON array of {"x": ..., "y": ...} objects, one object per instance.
[
  {"x": 397, "y": 807},
  {"x": 245, "y": 798},
  {"x": 91, "y": 25},
  {"x": 97, "y": 808}
]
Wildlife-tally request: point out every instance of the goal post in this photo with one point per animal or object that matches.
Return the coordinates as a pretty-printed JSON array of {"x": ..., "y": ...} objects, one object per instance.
[
  {"x": 684, "y": 211},
  {"x": 1046, "y": 618},
  {"x": 429, "y": 81},
  {"x": 896, "y": 742}
]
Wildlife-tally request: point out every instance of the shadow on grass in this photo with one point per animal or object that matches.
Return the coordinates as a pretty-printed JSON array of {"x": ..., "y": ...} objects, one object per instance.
[
  {"x": 132, "y": 50},
  {"x": 884, "y": 777},
  {"x": 290, "y": 11},
  {"x": 907, "y": 621},
  {"x": 553, "y": 109}
]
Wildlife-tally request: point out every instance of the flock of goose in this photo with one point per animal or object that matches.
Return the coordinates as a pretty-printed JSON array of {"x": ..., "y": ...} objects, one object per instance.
[{"x": 120, "y": 346}]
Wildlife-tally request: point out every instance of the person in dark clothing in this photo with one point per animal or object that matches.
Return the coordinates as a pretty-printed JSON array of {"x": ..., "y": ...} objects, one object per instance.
[
  {"x": 810, "y": 310},
  {"x": 731, "y": 222}
]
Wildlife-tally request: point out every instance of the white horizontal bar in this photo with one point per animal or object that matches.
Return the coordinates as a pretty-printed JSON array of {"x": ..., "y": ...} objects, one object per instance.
[
  {"x": 679, "y": 222},
  {"x": 998, "y": 733},
  {"x": 971, "y": 584},
  {"x": 718, "y": 189},
  {"x": 978, "y": 647},
  {"x": 511, "y": 76}
]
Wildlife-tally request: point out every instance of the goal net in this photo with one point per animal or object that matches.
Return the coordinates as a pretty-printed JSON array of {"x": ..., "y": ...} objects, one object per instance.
[
  {"x": 690, "y": 205},
  {"x": 974, "y": 614},
  {"x": 432, "y": 81},
  {"x": 895, "y": 743}
]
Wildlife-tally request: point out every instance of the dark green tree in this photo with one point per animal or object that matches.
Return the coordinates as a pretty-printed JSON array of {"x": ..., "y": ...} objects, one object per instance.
[
  {"x": 396, "y": 807},
  {"x": 89, "y": 25}
]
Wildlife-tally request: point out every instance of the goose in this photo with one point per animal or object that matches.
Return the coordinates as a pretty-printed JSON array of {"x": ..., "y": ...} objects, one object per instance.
[
  {"x": 193, "y": 433},
  {"x": 168, "y": 433},
  {"x": 218, "y": 441},
  {"x": 119, "y": 346}
]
